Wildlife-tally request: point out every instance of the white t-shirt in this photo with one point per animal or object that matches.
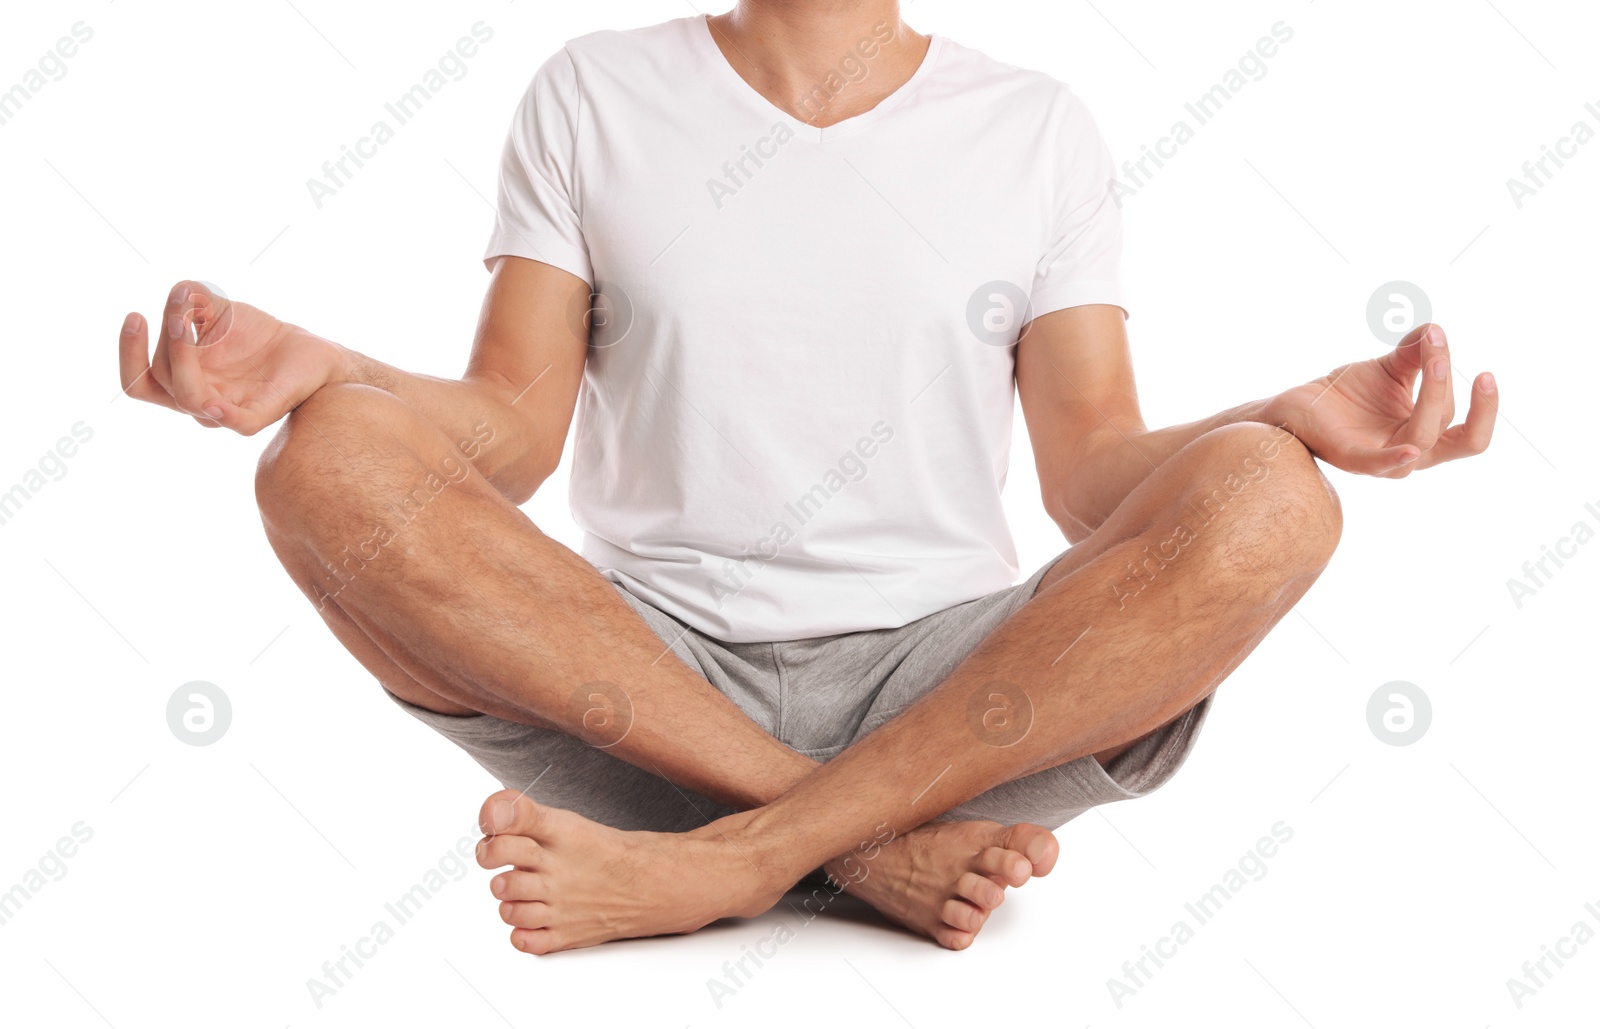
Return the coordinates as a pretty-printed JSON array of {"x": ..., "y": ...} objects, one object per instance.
[{"x": 796, "y": 414}]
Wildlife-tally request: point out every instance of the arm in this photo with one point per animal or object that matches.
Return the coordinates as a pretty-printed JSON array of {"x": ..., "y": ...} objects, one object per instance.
[
  {"x": 232, "y": 365},
  {"x": 1075, "y": 381}
]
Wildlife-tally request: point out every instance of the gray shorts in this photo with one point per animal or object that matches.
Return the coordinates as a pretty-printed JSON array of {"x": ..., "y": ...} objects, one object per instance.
[{"x": 816, "y": 696}]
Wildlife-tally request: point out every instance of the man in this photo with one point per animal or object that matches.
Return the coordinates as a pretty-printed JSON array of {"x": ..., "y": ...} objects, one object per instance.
[{"x": 825, "y": 249}]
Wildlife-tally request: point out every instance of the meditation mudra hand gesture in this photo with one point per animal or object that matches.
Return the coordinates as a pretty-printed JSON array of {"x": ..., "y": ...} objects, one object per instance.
[{"x": 688, "y": 722}]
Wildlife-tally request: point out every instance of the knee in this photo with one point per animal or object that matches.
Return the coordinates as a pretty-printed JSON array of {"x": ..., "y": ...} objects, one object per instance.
[
  {"x": 337, "y": 438},
  {"x": 1258, "y": 488}
]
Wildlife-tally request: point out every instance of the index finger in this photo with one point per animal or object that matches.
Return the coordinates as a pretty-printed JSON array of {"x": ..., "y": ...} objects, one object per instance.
[
  {"x": 1432, "y": 411},
  {"x": 189, "y": 389}
]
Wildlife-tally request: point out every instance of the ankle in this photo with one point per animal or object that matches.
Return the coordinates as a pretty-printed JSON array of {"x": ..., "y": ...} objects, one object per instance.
[{"x": 773, "y": 866}]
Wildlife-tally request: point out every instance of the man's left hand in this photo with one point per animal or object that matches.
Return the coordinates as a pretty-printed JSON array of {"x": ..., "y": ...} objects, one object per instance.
[{"x": 1362, "y": 418}]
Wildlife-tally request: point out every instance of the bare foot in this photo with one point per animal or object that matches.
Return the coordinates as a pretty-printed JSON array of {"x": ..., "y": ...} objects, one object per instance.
[
  {"x": 943, "y": 880},
  {"x": 576, "y": 883}
]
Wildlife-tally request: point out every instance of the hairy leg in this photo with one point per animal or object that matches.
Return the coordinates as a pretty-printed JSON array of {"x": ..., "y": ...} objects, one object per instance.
[
  {"x": 457, "y": 603},
  {"x": 1187, "y": 576}
]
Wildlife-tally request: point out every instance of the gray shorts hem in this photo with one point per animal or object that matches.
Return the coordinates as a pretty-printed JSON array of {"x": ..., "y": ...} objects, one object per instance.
[{"x": 817, "y": 696}]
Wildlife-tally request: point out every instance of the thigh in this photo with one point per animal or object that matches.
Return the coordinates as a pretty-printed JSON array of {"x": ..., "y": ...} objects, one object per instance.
[
  {"x": 932, "y": 647},
  {"x": 1053, "y": 796}
]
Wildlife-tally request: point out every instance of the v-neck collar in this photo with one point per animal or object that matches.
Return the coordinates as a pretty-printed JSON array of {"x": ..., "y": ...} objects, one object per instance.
[{"x": 701, "y": 30}]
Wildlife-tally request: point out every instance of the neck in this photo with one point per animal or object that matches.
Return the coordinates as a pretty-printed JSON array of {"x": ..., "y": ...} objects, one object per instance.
[{"x": 821, "y": 60}]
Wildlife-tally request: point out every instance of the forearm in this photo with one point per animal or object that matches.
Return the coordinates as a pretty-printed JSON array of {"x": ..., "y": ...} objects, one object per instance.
[
  {"x": 1117, "y": 458},
  {"x": 475, "y": 412}
]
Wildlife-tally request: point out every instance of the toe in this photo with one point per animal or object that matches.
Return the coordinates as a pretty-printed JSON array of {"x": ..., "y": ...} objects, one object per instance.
[
  {"x": 533, "y": 941},
  {"x": 511, "y": 811},
  {"x": 953, "y": 939},
  {"x": 496, "y": 851},
  {"x": 526, "y": 914},
  {"x": 1036, "y": 843},
  {"x": 983, "y": 893},
  {"x": 1002, "y": 865},
  {"x": 958, "y": 914},
  {"x": 519, "y": 885}
]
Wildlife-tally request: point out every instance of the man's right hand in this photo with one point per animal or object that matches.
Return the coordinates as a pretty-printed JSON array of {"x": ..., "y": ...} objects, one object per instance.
[{"x": 226, "y": 363}]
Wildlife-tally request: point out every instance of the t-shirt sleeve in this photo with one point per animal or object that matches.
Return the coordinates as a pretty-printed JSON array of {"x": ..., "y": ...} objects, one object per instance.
[
  {"x": 1083, "y": 263},
  {"x": 536, "y": 215}
]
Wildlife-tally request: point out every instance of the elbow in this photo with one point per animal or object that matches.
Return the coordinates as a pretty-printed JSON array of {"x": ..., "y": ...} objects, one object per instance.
[
  {"x": 1072, "y": 515},
  {"x": 518, "y": 479},
  {"x": 518, "y": 493},
  {"x": 519, "y": 485},
  {"x": 1083, "y": 492}
]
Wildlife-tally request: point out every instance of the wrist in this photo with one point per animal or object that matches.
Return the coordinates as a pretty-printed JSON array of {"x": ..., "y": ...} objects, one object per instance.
[
  {"x": 353, "y": 367},
  {"x": 329, "y": 363},
  {"x": 335, "y": 364},
  {"x": 340, "y": 364},
  {"x": 1281, "y": 410}
]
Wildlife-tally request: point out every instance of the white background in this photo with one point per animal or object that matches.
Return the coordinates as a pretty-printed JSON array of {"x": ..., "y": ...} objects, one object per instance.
[{"x": 220, "y": 878}]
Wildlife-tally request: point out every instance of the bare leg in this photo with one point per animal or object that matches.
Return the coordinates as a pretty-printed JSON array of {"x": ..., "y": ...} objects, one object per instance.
[
  {"x": 1193, "y": 569},
  {"x": 425, "y": 555},
  {"x": 452, "y": 598}
]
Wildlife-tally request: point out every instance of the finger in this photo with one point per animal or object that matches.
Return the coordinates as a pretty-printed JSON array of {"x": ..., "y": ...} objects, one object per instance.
[
  {"x": 221, "y": 413},
  {"x": 1382, "y": 461},
  {"x": 197, "y": 304},
  {"x": 1408, "y": 356},
  {"x": 168, "y": 328},
  {"x": 1428, "y": 414},
  {"x": 211, "y": 313},
  {"x": 133, "y": 359},
  {"x": 188, "y": 379},
  {"x": 1472, "y": 436},
  {"x": 1436, "y": 344}
]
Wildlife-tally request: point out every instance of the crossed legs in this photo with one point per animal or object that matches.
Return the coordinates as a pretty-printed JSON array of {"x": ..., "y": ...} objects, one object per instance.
[{"x": 458, "y": 604}]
